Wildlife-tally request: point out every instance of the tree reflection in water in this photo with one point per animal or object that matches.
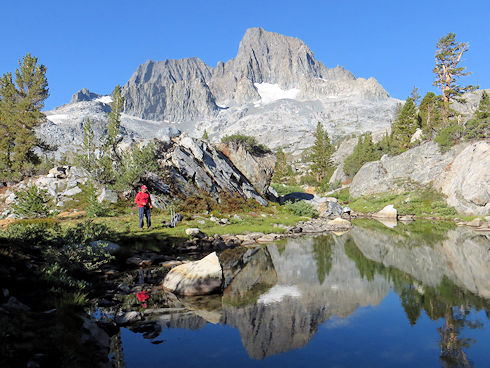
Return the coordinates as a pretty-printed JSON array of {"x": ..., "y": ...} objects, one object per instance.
[{"x": 447, "y": 301}]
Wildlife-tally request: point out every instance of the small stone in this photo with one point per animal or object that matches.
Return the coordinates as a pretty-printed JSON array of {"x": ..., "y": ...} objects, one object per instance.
[
  {"x": 72, "y": 192},
  {"x": 170, "y": 264},
  {"x": 194, "y": 232},
  {"x": 128, "y": 317},
  {"x": 339, "y": 224},
  {"x": 475, "y": 223}
]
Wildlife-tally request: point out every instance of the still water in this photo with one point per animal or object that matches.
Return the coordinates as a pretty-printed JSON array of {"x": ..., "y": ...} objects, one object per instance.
[{"x": 415, "y": 295}]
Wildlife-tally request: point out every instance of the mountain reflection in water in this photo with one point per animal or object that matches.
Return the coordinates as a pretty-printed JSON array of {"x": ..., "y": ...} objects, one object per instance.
[{"x": 286, "y": 290}]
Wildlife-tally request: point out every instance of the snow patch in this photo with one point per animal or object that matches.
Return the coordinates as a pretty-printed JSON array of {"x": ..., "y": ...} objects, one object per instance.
[
  {"x": 57, "y": 118},
  {"x": 277, "y": 293},
  {"x": 272, "y": 92},
  {"x": 104, "y": 99}
]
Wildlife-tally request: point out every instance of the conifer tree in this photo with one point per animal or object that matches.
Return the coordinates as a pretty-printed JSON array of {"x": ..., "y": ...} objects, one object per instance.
[
  {"x": 321, "y": 153},
  {"x": 281, "y": 167},
  {"x": 87, "y": 157},
  {"x": 404, "y": 126},
  {"x": 430, "y": 112},
  {"x": 364, "y": 151},
  {"x": 478, "y": 127},
  {"x": 21, "y": 101},
  {"x": 447, "y": 70},
  {"x": 110, "y": 158}
]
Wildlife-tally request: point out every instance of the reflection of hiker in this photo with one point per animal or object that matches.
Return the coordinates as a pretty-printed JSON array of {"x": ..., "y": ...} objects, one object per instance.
[{"x": 143, "y": 200}]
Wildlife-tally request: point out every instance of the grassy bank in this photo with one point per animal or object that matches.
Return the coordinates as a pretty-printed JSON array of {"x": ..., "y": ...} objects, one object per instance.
[{"x": 424, "y": 202}]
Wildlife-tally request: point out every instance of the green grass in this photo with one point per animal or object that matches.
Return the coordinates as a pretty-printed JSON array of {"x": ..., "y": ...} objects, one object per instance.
[
  {"x": 424, "y": 202},
  {"x": 125, "y": 227},
  {"x": 283, "y": 189}
]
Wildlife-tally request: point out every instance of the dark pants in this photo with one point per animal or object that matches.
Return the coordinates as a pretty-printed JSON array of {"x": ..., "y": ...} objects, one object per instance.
[{"x": 145, "y": 212}]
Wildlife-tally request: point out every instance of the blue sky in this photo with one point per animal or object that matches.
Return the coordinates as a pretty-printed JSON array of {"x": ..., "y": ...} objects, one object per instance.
[{"x": 98, "y": 44}]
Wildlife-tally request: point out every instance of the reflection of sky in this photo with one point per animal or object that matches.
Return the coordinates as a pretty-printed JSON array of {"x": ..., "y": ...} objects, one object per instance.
[
  {"x": 378, "y": 336},
  {"x": 368, "y": 327}
]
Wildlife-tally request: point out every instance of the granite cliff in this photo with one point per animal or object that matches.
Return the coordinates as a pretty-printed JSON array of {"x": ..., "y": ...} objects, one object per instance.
[{"x": 274, "y": 89}]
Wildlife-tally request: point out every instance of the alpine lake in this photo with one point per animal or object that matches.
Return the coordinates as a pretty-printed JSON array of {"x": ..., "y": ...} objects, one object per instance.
[{"x": 410, "y": 295}]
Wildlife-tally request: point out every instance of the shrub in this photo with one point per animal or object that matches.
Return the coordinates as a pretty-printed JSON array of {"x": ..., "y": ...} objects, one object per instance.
[
  {"x": 94, "y": 207},
  {"x": 85, "y": 232},
  {"x": 283, "y": 189},
  {"x": 32, "y": 202},
  {"x": 342, "y": 195},
  {"x": 449, "y": 136},
  {"x": 249, "y": 143},
  {"x": 301, "y": 208},
  {"x": 308, "y": 179}
]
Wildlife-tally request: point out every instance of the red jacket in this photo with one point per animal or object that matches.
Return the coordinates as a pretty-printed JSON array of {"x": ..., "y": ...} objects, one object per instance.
[{"x": 143, "y": 199}]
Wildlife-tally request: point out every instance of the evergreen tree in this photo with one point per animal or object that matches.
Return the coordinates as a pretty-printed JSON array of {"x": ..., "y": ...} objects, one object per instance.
[
  {"x": 110, "y": 158},
  {"x": 430, "y": 113},
  {"x": 447, "y": 70},
  {"x": 87, "y": 157},
  {"x": 364, "y": 151},
  {"x": 321, "y": 154},
  {"x": 7, "y": 122},
  {"x": 415, "y": 95},
  {"x": 404, "y": 126},
  {"x": 281, "y": 167},
  {"x": 20, "y": 112},
  {"x": 478, "y": 127}
]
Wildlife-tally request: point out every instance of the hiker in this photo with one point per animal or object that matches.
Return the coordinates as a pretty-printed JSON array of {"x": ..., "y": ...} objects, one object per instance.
[{"x": 143, "y": 200}]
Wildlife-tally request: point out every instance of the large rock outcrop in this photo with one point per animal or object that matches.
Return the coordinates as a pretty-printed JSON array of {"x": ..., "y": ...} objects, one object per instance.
[
  {"x": 462, "y": 174},
  {"x": 195, "y": 166},
  {"x": 466, "y": 181},
  {"x": 258, "y": 168}
]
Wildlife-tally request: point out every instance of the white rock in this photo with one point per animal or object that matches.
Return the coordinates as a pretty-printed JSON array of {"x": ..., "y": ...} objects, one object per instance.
[
  {"x": 195, "y": 278},
  {"x": 388, "y": 211},
  {"x": 193, "y": 231},
  {"x": 72, "y": 192},
  {"x": 108, "y": 196}
]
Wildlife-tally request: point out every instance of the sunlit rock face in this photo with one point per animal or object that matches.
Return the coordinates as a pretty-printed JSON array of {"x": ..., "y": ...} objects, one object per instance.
[
  {"x": 315, "y": 281},
  {"x": 274, "y": 89},
  {"x": 460, "y": 255}
]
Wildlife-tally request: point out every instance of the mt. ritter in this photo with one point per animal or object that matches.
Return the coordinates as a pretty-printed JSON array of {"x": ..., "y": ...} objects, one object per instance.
[{"x": 274, "y": 89}]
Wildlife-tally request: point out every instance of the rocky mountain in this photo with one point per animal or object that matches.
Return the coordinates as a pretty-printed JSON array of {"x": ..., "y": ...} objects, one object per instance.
[{"x": 274, "y": 89}]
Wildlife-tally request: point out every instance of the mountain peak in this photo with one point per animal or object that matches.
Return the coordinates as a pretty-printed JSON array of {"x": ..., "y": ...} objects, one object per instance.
[{"x": 268, "y": 57}]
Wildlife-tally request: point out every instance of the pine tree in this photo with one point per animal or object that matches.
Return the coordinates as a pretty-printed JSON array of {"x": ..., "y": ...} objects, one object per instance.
[
  {"x": 364, "y": 151},
  {"x": 87, "y": 157},
  {"x": 430, "y": 113},
  {"x": 110, "y": 158},
  {"x": 478, "y": 127},
  {"x": 20, "y": 112},
  {"x": 281, "y": 167},
  {"x": 321, "y": 154},
  {"x": 7, "y": 123},
  {"x": 404, "y": 126},
  {"x": 415, "y": 95},
  {"x": 447, "y": 70}
]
